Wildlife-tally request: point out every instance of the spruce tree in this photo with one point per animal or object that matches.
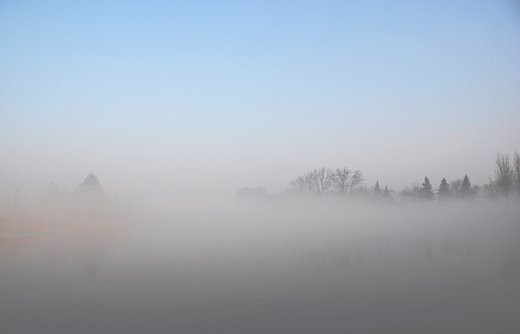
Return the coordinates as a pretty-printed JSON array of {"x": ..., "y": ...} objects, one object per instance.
[
  {"x": 377, "y": 189},
  {"x": 426, "y": 193},
  {"x": 90, "y": 184},
  {"x": 386, "y": 194},
  {"x": 444, "y": 192},
  {"x": 466, "y": 192}
]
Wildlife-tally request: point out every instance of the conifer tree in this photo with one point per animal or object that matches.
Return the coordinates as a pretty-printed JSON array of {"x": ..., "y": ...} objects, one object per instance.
[
  {"x": 444, "y": 192},
  {"x": 426, "y": 193},
  {"x": 466, "y": 192},
  {"x": 90, "y": 184},
  {"x": 386, "y": 194},
  {"x": 377, "y": 189}
]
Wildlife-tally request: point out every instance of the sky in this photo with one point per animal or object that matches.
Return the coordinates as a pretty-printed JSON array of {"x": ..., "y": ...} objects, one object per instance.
[{"x": 211, "y": 96}]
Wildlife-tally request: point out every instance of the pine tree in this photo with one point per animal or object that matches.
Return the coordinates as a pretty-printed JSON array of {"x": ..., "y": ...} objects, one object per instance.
[
  {"x": 426, "y": 193},
  {"x": 466, "y": 192},
  {"x": 444, "y": 192},
  {"x": 386, "y": 194},
  {"x": 91, "y": 200},
  {"x": 377, "y": 189},
  {"x": 90, "y": 184}
]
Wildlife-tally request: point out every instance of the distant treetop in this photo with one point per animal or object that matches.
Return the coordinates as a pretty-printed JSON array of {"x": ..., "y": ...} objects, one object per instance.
[
  {"x": 444, "y": 192},
  {"x": 91, "y": 184},
  {"x": 426, "y": 192},
  {"x": 466, "y": 191},
  {"x": 377, "y": 189}
]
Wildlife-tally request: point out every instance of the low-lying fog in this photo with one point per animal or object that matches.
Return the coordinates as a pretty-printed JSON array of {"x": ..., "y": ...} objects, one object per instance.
[{"x": 277, "y": 266}]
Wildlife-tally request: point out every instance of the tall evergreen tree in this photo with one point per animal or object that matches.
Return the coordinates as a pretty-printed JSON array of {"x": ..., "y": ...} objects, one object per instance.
[
  {"x": 90, "y": 184},
  {"x": 377, "y": 189},
  {"x": 426, "y": 193},
  {"x": 386, "y": 195},
  {"x": 466, "y": 191},
  {"x": 444, "y": 192}
]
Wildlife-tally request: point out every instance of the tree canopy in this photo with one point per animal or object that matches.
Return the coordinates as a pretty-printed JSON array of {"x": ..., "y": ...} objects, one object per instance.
[
  {"x": 426, "y": 193},
  {"x": 444, "y": 192},
  {"x": 90, "y": 184},
  {"x": 504, "y": 174},
  {"x": 466, "y": 191}
]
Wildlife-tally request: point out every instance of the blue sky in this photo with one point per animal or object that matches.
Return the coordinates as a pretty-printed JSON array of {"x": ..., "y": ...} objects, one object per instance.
[{"x": 216, "y": 95}]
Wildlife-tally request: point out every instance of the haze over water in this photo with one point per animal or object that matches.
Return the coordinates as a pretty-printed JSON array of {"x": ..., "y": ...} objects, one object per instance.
[
  {"x": 272, "y": 267},
  {"x": 160, "y": 167}
]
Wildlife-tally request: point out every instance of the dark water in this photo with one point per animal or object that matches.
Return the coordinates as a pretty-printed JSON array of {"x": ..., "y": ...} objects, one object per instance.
[{"x": 163, "y": 278}]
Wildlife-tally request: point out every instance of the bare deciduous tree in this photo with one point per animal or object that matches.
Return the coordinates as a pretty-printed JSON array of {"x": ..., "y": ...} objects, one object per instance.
[
  {"x": 356, "y": 181},
  {"x": 345, "y": 181},
  {"x": 503, "y": 174},
  {"x": 410, "y": 193},
  {"x": 490, "y": 190},
  {"x": 323, "y": 179},
  {"x": 300, "y": 184},
  {"x": 341, "y": 180},
  {"x": 316, "y": 181},
  {"x": 516, "y": 171}
]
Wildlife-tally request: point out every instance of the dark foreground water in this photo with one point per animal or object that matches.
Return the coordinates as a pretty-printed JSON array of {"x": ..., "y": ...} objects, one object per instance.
[{"x": 171, "y": 278}]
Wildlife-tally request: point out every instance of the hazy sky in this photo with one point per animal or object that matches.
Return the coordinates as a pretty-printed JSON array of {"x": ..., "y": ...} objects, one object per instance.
[{"x": 216, "y": 95}]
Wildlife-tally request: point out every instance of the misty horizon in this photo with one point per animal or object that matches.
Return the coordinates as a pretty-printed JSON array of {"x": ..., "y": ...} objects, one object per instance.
[
  {"x": 259, "y": 167},
  {"x": 360, "y": 187}
]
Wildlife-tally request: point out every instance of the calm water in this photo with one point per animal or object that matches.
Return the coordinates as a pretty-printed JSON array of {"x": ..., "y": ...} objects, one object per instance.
[{"x": 168, "y": 277}]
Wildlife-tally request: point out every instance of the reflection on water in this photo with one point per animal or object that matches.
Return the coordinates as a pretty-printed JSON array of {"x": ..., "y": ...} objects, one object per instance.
[
  {"x": 174, "y": 277},
  {"x": 59, "y": 248}
]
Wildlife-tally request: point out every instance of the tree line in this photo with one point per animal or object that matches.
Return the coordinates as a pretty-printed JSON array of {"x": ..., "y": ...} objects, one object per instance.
[
  {"x": 347, "y": 182},
  {"x": 88, "y": 201}
]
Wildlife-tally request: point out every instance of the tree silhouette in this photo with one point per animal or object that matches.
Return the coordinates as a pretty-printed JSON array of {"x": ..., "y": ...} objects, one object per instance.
[
  {"x": 316, "y": 181},
  {"x": 322, "y": 178},
  {"x": 466, "y": 192},
  {"x": 340, "y": 180},
  {"x": 92, "y": 202},
  {"x": 344, "y": 181},
  {"x": 410, "y": 193},
  {"x": 90, "y": 184},
  {"x": 503, "y": 174},
  {"x": 490, "y": 190},
  {"x": 356, "y": 181},
  {"x": 377, "y": 190},
  {"x": 426, "y": 193},
  {"x": 444, "y": 192},
  {"x": 386, "y": 195},
  {"x": 516, "y": 171}
]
